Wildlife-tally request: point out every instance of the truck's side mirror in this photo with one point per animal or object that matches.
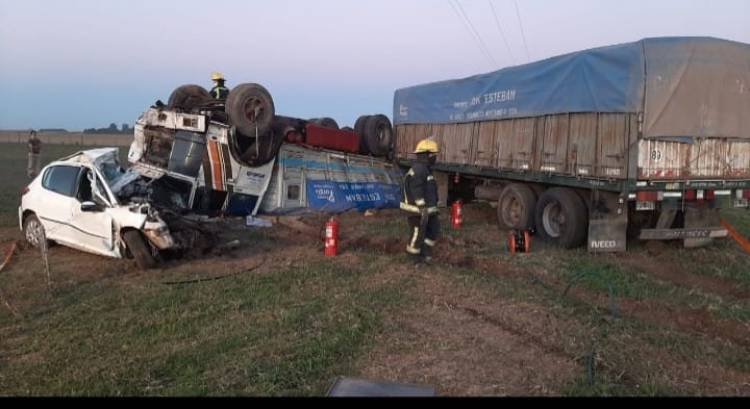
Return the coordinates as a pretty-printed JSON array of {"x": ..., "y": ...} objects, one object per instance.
[{"x": 89, "y": 206}]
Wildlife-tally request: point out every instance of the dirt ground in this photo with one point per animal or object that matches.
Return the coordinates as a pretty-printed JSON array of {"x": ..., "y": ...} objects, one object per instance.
[{"x": 483, "y": 322}]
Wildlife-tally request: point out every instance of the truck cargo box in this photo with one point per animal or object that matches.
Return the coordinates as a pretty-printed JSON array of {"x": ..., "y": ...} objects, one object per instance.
[
  {"x": 655, "y": 109},
  {"x": 334, "y": 139},
  {"x": 320, "y": 180}
]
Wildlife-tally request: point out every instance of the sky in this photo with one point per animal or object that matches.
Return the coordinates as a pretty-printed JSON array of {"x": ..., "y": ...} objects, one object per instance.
[{"x": 78, "y": 64}]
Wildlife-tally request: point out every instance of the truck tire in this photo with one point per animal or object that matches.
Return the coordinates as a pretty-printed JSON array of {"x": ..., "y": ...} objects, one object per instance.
[
  {"x": 326, "y": 122},
  {"x": 139, "y": 249},
  {"x": 378, "y": 135},
  {"x": 359, "y": 126},
  {"x": 516, "y": 206},
  {"x": 33, "y": 230},
  {"x": 250, "y": 108},
  {"x": 561, "y": 218},
  {"x": 262, "y": 150},
  {"x": 188, "y": 97}
]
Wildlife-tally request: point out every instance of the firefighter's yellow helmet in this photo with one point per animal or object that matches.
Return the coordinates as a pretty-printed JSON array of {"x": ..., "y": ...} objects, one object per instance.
[
  {"x": 427, "y": 145},
  {"x": 217, "y": 76}
]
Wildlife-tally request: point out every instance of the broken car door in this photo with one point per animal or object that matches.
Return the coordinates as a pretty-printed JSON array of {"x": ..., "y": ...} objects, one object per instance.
[{"x": 93, "y": 224}]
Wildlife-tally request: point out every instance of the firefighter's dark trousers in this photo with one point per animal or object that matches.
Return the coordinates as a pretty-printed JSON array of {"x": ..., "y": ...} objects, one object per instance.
[{"x": 423, "y": 234}]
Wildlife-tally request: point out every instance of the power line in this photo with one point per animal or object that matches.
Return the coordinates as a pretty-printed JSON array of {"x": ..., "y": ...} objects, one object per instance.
[
  {"x": 467, "y": 23},
  {"x": 523, "y": 36},
  {"x": 476, "y": 40},
  {"x": 479, "y": 36},
  {"x": 502, "y": 34}
]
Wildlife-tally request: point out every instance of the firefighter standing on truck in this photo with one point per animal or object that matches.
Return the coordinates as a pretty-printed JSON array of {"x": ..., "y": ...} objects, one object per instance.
[
  {"x": 420, "y": 201},
  {"x": 219, "y": 91}
]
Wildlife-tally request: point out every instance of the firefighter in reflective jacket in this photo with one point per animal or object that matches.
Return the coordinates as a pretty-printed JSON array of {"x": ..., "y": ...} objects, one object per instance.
[
  {"x": 219, "y": 91},
  {"x": 420, "y": 201}
]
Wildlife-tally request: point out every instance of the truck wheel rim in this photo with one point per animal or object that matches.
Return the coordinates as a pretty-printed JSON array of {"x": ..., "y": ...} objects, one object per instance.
[
  {"x": 512, "y": 209},
  {"x": 553, "y": 219},
  {"x": 253, "y": 109},
  {"x": 34, "y": 232}
]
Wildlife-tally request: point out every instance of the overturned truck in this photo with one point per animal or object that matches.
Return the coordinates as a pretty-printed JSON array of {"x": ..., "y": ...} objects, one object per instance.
[
  {"x": 643, "y": 140},
  {"x": 221, "y": 157}
]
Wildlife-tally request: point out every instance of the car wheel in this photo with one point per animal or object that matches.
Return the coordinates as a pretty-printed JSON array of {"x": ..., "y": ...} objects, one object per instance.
[
  {"x": 33, "y": 230},
  {"x": 140, "y": 250}
]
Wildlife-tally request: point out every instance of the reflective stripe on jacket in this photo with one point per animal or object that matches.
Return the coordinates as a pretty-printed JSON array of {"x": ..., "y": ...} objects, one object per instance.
[
  {"x": 420, "y": 190},
  {"x": 219, "y": 92}
]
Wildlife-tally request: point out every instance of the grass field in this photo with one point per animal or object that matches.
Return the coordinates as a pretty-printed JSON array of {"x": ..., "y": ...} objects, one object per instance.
[{"x": 657, "y": 320}]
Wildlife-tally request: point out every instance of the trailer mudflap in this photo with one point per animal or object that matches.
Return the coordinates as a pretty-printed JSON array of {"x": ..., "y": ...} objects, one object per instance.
[
  {"x": 608, "y": 223},
  {"x": 702, "y": 217},
  {"x": 683, "y": 234}
]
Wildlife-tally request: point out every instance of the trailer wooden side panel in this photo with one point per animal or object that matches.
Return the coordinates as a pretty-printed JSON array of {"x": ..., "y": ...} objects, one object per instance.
[
  {"x": 582, "y": 144},
  {"x": 400, "y": 144},
  {"x": 407, "y": 140},
  {"x": 485, "y": 148},
  {"x": 554, "y": 144},
  {"x": 613, "y": 143},
  {"x": 522, "y": 144},
  {"x": 457, "y": 142},
  {"x": 662, "y": 159},
  {"x": 738, "y": 157},
  {"x": 504, "y": 137},
  {"x": 708, "y": 158},
  {"x": 440, "y": 132}
]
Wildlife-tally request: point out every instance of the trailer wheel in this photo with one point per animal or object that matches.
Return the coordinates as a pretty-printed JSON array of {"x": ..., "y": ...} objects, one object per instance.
[
  {"x": 359, "y": 127},
  {"x": 188, "y": 97},
  {"x": 378, "y": 134},
  {"x": 515, "y": 207},
  {"x": 250, "y": 108},
  {"x": 139, "y": 249},
  {"x": 561, "y": 218}
]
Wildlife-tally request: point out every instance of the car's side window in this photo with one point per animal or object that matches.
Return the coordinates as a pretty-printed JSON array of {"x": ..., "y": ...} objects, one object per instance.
[{"x": 61, "y": 179}]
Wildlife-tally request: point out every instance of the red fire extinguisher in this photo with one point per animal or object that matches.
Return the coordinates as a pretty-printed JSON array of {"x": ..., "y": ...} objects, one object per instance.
[
  {"x": 332, "y": 237},
  {"x": 457, "y": 216}
]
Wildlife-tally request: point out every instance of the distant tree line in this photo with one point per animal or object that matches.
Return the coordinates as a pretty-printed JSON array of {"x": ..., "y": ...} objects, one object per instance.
[{"x": 124, "y": 129}]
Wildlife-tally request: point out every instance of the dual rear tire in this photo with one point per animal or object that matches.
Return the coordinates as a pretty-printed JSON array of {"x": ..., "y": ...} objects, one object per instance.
[
  {"x": 558, "y": 215},
  {"x": 376, "y": 134}
]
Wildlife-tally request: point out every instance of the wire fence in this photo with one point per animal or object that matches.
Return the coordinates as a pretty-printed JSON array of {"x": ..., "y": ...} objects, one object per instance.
[{"x": 69, "y": 138}]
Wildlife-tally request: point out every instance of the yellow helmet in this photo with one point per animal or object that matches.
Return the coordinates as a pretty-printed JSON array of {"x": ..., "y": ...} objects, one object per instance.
[
  {"x": 427, "y": 145},
  {"x": 217, "y": 76}
]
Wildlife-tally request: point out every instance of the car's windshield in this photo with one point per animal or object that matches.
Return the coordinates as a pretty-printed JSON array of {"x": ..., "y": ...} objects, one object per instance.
[{"x": 111, "y": 171}]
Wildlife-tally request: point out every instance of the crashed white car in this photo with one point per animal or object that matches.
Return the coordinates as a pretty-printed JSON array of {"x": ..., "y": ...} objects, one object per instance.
[{"x": 74, "y": 202}]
